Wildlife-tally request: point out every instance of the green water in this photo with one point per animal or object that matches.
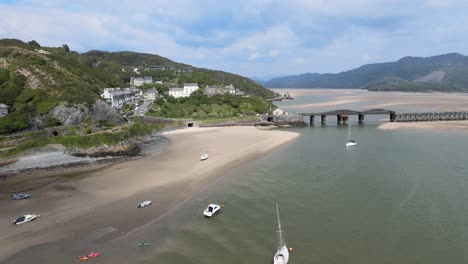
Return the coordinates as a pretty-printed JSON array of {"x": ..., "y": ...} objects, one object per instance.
[{"x": 398, "y": 197}]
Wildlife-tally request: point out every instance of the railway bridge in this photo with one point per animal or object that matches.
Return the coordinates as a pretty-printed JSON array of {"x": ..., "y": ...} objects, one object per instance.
[{"x": 342, "y": 115}]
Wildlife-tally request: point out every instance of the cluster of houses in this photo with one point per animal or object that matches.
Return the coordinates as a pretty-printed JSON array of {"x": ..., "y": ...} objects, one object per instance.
[
  {"x": 212, "y": 90},
  {"x": 157, "y": 68},
  {"x": 118, "y": 97},
  {"x": 189, "y": 88}
]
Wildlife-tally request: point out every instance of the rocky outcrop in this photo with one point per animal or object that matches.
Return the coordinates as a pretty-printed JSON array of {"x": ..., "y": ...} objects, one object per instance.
[
  {"x": 102, "y": 111},
  {"x": 129, "y": 147},
  {"x": 70, "y": 116},
  {"x": 74, "y": 115}
]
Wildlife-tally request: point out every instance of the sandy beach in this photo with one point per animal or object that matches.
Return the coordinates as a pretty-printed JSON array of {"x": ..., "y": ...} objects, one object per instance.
[{"x": 92, "y": 208}]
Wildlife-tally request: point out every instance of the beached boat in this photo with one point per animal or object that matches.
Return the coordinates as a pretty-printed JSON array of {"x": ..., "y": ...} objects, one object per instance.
[
  {"x": 204, "y": 156},
  {"x": 143, "y": 244},
  {"x": 282, "y": 253},
  {"x": 20, "y": 196},
  {"x": 350, "y": 142},
  {"x": 144, "y": 204},
  {"x": 211, "y": 210},
  {"x": 26, "y": 218}
]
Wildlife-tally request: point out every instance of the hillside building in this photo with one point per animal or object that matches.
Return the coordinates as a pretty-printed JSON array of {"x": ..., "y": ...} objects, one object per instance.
[
  {"x": 118, "y": 97},
  {"x": 3, "y": 110},
  {"x": 139, "y": 81},
  {"x": 188, "y": 89}
]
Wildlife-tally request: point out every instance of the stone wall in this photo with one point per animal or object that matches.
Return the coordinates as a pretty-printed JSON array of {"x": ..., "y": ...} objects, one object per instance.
[{"x": 287, "y": 120}]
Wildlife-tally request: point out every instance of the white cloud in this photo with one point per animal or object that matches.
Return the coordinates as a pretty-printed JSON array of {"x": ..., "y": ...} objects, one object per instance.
[{"x": 256, "y": 37}]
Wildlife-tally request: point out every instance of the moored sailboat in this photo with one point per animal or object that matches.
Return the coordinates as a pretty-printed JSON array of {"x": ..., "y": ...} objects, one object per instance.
[
  {"x": 350, "y": 142},
  {"x": 282, "y": 254}
]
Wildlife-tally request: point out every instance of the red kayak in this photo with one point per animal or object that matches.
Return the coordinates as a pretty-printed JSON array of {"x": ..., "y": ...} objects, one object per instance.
[{"x": 94, "y": 255}]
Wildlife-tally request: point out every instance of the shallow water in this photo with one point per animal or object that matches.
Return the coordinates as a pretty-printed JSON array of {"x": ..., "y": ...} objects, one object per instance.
[{"x": 398, "y": 197}]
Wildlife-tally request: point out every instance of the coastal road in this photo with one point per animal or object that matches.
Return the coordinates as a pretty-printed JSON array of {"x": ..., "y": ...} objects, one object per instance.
[{"x": 143, "y": 108}]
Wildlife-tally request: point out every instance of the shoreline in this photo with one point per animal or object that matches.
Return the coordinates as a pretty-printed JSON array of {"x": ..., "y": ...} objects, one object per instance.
[{"x": 119, "y": 187}]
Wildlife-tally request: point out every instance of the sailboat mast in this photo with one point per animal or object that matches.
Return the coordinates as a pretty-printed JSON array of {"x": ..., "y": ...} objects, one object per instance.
[
  {"x": 279, "y": 227},
  {"x": 349, "y": 131}
]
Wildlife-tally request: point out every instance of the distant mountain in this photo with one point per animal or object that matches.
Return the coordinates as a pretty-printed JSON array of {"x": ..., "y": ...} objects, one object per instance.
[{"x": 447, "y": 72}]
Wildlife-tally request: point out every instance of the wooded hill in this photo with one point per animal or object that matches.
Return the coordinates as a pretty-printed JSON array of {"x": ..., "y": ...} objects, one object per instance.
[{"x": 35, "y": 79}]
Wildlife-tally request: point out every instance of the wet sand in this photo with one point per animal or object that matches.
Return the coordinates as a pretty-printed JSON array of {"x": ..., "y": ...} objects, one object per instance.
[
  {"x": 390, "y": 100},
  {"x": 434, "y": 126},
  {"x": 84, "y": 212}
]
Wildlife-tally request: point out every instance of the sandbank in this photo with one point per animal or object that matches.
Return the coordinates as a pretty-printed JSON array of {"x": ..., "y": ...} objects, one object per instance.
[
  {"x": 434, "y": 126},
  {"x": 91, "y": 209}
]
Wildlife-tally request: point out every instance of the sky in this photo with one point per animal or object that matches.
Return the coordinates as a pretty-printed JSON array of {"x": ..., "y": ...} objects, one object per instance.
[{"x": 255, "y": 38}]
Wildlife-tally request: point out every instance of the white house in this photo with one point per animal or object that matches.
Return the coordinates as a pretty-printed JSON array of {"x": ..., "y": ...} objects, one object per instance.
[
  {"x": 139, "y": 81},
  {"x": 152, "y": 94},
  {"x": 279, "y": 111},
  {"x": 176, "y": 92},
  {"x": 189, "y": 88},
  {"x": 3, "y": 110}
]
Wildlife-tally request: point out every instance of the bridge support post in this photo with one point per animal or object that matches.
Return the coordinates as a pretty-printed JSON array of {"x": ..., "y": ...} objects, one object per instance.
[
  {"x": 345, "y": 119},
  {"x": 339, "y": 119},
  {"x": 392, "y": 117},
  {"x": 324, "y": 119},
  {"x": 312, "y": 120},
  {"x": 361, "y": 118}
]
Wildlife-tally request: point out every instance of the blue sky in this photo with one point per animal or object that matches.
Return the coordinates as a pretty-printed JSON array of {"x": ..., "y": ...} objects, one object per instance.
[{"x": 248, "y": 37}]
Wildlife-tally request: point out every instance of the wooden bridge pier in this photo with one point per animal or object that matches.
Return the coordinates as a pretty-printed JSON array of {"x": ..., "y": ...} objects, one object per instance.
[
  {"x": 324, "y": 119},
  {"x": 312, "y": 120}
]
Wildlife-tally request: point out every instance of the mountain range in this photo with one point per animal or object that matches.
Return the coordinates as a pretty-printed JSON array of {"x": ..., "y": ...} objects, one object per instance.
[{"x": 448, "y": 72}]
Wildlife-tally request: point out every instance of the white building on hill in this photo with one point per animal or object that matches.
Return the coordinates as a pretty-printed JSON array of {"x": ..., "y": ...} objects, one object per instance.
[
  {"x": 117, "y": 97},
  {"x": 139, "y": 81},
  {"x": 188, "y": 89},
  {"x": 3, "y": 109}
]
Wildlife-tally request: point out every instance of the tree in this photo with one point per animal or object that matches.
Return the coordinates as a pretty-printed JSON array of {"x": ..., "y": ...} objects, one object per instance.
[
  {"x": 66, "y": 48},
  {"x": 34, "y": 44}
]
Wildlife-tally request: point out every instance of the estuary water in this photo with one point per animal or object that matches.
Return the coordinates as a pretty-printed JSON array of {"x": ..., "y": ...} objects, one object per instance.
[{"x": 397, "y": 197}]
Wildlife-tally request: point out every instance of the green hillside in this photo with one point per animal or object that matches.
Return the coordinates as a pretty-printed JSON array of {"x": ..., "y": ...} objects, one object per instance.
[
  {"x": 438, "y": 73},
  {"x": 113, "y": 62},
  {"x": 35, "y": 79}
]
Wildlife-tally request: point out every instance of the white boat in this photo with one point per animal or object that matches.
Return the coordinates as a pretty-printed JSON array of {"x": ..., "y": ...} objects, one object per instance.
[
  {"x": 211, "y": 210},
  {"x": 282, "y": 254},
  {"x": 204, "y": 156},
  {"x": 26, "y": 218},
  {"x": 350, "y": 142}
]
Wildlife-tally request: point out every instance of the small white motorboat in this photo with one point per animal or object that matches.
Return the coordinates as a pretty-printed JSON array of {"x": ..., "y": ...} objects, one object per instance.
[
  {"x": 144, "y": 204},
  {"x": 204, "y": 156},
  {"x": 211, "y": 210},
  {"x": 26, "y": 218}
]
